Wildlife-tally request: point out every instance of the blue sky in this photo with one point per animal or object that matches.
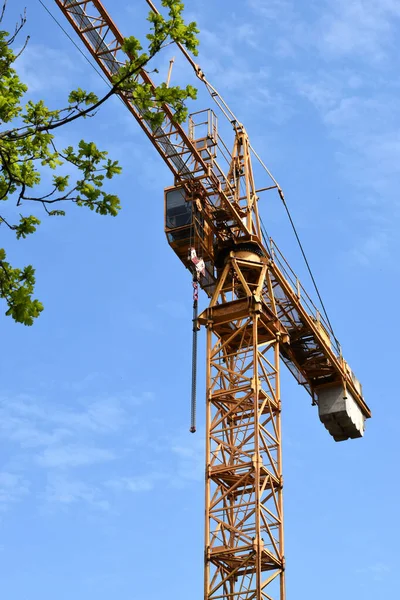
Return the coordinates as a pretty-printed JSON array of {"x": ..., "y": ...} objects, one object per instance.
[{"x": 101, "y": 485}]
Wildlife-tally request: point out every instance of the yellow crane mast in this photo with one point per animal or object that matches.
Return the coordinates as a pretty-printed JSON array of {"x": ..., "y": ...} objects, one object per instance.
[{"x": 258, "y": 315}]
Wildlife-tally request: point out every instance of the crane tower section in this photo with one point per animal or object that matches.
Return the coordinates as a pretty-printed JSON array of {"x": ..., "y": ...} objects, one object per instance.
[
  {"x": 258, "y": 316},
  {"x": 244, "y": 502}
]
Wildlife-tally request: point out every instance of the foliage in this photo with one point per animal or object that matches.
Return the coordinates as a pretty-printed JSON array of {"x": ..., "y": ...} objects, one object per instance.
[{"x": 29, "y": 150}]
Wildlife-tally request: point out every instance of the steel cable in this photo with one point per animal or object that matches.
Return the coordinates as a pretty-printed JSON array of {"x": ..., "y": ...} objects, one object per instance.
[{"x": 194, "y": 360}]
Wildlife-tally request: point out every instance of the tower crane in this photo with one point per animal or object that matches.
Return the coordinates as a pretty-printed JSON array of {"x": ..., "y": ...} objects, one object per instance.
[{"x": 258, "y": 316}]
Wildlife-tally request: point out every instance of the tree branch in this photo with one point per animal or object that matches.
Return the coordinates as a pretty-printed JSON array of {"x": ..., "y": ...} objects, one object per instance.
[
  {"x": 10, "y": 134},
  {"x": 18, "y": 27},
  {"x": 3, "y": 220},
  {"x": 3, "y": 10}
]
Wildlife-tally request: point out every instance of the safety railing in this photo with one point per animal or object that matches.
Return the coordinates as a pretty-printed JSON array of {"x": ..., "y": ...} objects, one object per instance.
[{"x": 302, "y": 295}]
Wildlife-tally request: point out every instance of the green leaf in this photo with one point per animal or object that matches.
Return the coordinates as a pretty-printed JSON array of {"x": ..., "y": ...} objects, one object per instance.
[
  {"x": 27, "y": 225},
  {"x": 56, "y": 213},
  {"x": 112, "y": 168},
  {"x": 79, "y": 96},
  {"x": 16, "y": 287},
  {"x": 131, "y": 46},
  {"x": 60, "y": 182}
]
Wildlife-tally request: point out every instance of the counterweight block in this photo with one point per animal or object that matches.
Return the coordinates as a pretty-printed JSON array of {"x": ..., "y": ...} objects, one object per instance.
[{"x": 340, "y": 413}]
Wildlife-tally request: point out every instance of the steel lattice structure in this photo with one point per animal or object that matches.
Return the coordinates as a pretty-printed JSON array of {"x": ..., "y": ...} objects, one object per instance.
[
  {"x": 244, "y": 503},
  {"x": 259, "y": 315}
]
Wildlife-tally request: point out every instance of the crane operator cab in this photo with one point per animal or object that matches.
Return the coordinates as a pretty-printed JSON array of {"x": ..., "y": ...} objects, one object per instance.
[
  {"x": 186, "y": 228},
  {"x": 178, "y": 216}
]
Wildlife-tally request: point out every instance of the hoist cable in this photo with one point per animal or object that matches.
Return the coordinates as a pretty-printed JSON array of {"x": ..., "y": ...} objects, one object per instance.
[
  {"x": 306, "y": 262},
  {"x": 266, "y": 237},
  {"x": 194, "y": 359}
]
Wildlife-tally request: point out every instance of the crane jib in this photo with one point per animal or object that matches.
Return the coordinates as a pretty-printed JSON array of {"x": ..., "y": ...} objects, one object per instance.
[{"x": 104, "y": 41}]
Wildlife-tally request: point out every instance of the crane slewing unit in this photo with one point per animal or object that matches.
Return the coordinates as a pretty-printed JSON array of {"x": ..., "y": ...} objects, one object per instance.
[{"x": 258, "y": 315}]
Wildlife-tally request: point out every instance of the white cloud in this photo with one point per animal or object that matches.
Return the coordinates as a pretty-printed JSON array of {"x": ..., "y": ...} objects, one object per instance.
[
  {"x": 64, "y": 491},
  {"x": 361, "y": 28},
  {"x": 275, "y": 106},
  {"x": 12, "y": 488},
  {"x": 273, "y": 10},
  {"x": 247, "y": 33},
  {"x": 211, "y": 42},
  {"x": 132, "y": 484},
  {"x": 325, "y": 89},
  {"x": 223, "y": 66},
  {"x": 189, "y": 458},
  {"x": 79, "y": 384},
  {"x": 43, "y": 68},
  {"x": 339, "y": 53},
  {"x": 376, "y": 572},
  {"x": 368, "y": 127},
  {"x": 231, "y": 33},
  {"x": 233, "y": 77},
  {"x": 105, "y": 415},
  {"x": 34, "y": 423},
  {"x": 286, "y": 28},
  {"x": 365, "y": 122},
  {"x": 21, "y": 422},
  {"x": 182, "y": 464},
  {"x": 61, "y": 457},
  {"x": 372, "y": 249},
  {"x": 58, "y": 440}
]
